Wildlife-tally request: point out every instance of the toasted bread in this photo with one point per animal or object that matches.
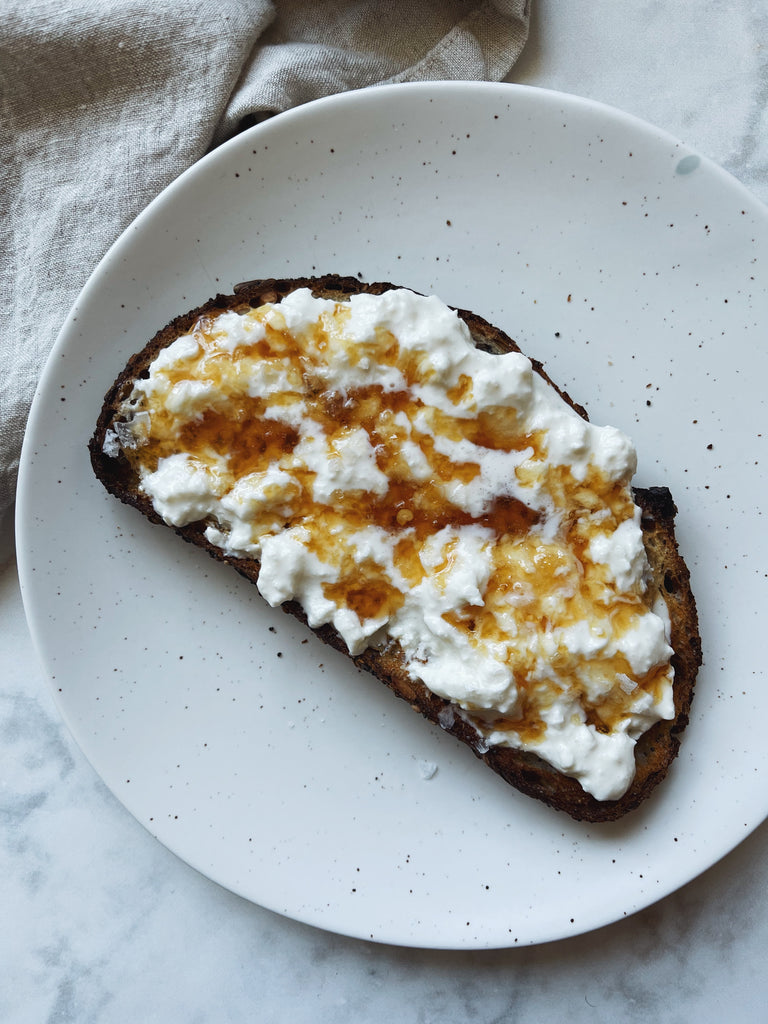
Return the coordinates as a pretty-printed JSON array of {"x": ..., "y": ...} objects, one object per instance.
[{"x": 523, "y": 769}]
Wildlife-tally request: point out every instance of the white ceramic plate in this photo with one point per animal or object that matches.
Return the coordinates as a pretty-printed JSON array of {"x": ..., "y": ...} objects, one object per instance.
[{"x": 636, "y": 269}]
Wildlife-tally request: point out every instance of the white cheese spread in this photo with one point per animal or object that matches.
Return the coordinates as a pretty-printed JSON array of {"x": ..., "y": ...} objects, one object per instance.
[{"x": 403, "y": 485}]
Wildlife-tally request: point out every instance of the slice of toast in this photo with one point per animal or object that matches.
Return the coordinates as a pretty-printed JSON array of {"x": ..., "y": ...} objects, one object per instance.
[{"x": 526, "y": 771}]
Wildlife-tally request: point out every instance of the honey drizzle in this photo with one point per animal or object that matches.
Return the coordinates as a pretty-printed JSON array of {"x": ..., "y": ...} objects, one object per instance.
[{"x": 411, "y": 510}]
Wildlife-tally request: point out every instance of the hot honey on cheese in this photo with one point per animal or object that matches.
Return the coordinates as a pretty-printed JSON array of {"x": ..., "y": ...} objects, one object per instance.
[{"x": 407, "y": 487}]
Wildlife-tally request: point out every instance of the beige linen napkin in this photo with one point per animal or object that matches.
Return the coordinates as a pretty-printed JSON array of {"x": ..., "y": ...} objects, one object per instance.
[{"x": 104, "y": 104}]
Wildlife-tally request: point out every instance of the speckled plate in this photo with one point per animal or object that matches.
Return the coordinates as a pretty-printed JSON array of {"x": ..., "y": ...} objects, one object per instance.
[{"x": 636, "y": 269}]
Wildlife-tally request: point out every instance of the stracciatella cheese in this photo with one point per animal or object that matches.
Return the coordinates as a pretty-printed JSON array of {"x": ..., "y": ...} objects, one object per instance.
[{"x": 407, "y": 487}]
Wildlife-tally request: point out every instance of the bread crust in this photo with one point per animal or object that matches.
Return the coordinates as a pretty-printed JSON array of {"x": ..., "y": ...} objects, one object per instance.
[{"x": 655, "y": 750}]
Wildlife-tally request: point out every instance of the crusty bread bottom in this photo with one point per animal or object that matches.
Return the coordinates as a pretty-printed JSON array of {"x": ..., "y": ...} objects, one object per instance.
[{"x": 528, "y": 773}]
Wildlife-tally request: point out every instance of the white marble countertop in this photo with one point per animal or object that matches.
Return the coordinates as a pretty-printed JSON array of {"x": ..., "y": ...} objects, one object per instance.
[{"x": 102, "y": 923}]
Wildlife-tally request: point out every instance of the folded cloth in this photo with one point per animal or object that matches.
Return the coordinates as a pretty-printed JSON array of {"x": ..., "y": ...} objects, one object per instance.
[{"x": 103, "y": 105}]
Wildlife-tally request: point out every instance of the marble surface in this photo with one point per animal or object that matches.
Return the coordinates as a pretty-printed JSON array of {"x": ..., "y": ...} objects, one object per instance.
[{"x": 101, "y": 923}]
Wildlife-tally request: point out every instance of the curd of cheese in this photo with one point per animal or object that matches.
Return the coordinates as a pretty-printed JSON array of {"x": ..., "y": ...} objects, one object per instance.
[{"x": 405, "y": 486}]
